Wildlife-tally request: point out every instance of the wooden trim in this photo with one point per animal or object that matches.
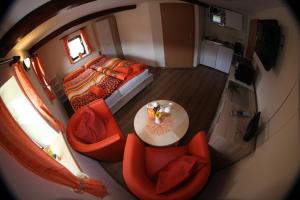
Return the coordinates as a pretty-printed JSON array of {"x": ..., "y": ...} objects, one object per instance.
[
  {"x": 251, "y": 39},
  {"x": 77, "y": 22},
  {"x": 32, "y": 20}
]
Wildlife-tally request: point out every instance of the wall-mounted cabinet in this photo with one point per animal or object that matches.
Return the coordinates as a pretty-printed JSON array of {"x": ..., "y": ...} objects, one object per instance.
[
  {"x": 216, "y": 55},
  {"x": 226, "y": 18},
  {"x": 233, "y": 20}
]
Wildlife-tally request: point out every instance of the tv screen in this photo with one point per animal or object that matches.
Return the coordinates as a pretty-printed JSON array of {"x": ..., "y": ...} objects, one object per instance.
[
  {"x": 216, "y": 19},
  {"x": 267, "y": 42}
]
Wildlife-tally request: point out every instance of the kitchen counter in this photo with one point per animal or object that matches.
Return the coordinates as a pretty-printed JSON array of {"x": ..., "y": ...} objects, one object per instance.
[
  {"x": 216, "y": 54},
  {"x": 218, "y": 42}
]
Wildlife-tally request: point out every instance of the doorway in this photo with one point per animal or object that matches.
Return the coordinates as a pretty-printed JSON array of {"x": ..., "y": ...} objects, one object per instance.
[{"x": 178, "y": 28}]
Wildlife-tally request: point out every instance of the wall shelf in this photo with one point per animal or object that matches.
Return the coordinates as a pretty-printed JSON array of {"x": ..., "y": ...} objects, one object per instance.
[{"x": 227, "y": 131}]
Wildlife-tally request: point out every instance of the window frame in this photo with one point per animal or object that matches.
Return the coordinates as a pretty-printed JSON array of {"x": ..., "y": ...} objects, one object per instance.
[
  {"x": 85, "y": 50},
  {"x": 81, "y": 35}
]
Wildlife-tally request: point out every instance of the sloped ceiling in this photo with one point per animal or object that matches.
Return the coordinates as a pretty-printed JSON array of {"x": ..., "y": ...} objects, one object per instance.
[
  {"x": 22, "y": 7},
  {"x": 16, "y": 11}
]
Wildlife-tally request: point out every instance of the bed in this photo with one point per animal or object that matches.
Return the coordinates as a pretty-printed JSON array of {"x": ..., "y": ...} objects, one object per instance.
[{"x": 113, "y": 79}]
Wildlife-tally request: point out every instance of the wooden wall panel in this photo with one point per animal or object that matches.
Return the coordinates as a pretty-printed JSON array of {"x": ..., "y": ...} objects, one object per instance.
[{"x": 178, "y": 24}]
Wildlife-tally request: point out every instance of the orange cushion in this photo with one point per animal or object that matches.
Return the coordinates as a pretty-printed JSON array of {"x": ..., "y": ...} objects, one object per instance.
[
  {"x": 122, "y": 69},
  {"x": 118, "y": 75},
  {"x": 176, "y": 172},
  {"x": 137, "y": 67},
  {"x": 93, "y": 61},
  {"x": 158, "y": 158},
  {"x": 73, "y": 74},
  {"x": 98, "y": 91},
  {"x": 91, "y": 128}
]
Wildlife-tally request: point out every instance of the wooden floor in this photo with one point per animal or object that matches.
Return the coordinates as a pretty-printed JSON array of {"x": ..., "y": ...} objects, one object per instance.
[{"x": 198, "y": 90}]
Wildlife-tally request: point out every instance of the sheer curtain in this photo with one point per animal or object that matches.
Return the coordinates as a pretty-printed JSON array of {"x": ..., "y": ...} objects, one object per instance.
[
  {"x": 15, "y": 141},
  {"x": 39, "y": 71},
  {"x": 32, "y": 95}
]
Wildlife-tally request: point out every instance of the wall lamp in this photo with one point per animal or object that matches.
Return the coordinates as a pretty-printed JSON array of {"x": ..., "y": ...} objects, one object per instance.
[
  {"x": 10, "y": 61},
  {"x": 27, "y": 64}
]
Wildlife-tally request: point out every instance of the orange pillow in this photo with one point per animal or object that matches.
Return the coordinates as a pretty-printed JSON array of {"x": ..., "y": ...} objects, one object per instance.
[
  {"x": 122, "y": 69},
  {"x": 98, "y": 91},
  {"x": 93, "y": 61},
  {"x": 73, "y": 74},
  {"x": 157, "y": 158},
  {"x": 176, "y": 172},
  {"x": 118, "y": 75},
  {"x": 91, "y": 128},
  {"x": 137, "y": 67}
]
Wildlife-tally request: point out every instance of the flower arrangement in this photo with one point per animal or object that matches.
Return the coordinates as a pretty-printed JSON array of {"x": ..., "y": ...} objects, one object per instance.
[{"x": 156, "y": 111}]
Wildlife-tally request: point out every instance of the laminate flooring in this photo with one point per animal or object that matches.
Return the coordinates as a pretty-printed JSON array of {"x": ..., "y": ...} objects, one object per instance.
[{"x": 198, "y": 90}]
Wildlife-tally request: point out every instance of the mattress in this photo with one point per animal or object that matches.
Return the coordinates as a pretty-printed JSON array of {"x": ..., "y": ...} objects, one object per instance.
[
  {"x": 104, "y": 77},
  {"x": 127, "y": 88},
  {"x": 133, "y": 82}
]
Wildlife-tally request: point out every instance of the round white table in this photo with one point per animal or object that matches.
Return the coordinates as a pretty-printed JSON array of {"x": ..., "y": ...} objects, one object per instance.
[{"x": 172, "y": 128}]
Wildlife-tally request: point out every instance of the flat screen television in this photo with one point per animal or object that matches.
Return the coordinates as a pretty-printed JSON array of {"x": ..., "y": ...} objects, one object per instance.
[{"x": 267, "y": 42}]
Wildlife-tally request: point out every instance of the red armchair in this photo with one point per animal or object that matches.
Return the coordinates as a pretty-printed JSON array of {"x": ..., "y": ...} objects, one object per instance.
[
  {"x": 136, "y": 164},
  {"x": 111, "y": 148}
]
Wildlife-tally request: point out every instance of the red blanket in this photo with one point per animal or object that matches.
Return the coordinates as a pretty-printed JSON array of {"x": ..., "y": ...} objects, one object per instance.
[{"x": 104, "y": 72}]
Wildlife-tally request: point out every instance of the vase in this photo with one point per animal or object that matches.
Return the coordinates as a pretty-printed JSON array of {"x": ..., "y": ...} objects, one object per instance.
[{"x": 157, "y": 120}]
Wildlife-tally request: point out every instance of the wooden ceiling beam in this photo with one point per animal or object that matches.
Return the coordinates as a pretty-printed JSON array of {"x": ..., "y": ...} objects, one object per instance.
[{"x": 32, "y": 20}]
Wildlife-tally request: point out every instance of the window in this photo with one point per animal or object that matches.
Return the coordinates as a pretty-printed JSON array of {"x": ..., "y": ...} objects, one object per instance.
[
  {"x": 36, "y": 128},
  {"x": 77, "y": 46},
  {"x": 217, "y": 19},
  {"x": 217, "y": 16}
]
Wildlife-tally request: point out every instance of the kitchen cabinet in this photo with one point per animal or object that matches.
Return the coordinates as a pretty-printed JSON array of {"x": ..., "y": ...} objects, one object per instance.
[
  {"x": 215, "y": 55},
  {"x": 208, "y": 54},
  {"x": 233, "y": 20},
  {"x": 224, "y": 57}
]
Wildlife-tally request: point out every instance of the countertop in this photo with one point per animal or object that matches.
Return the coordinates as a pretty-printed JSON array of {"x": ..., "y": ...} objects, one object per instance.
[{"x": 216, "y": 41}]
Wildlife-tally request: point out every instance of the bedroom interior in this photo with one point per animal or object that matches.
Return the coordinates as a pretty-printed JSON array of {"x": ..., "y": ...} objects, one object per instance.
[{"x": 149, "y": 99}]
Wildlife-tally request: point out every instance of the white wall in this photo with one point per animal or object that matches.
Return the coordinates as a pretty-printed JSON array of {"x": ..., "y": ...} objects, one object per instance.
[
  {"x": 201, "y": 28},
  {"x": 135, "y": 32},
  {"x": 157, "y": 34},
  {"x": 54, "y": 57},
  {"x": 270, "y": 171}
]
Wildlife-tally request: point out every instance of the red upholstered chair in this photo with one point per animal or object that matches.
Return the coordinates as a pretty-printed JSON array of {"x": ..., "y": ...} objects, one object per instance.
[
  {"x": 111, "y": 148},
  {"x": 138, "y": 159}
]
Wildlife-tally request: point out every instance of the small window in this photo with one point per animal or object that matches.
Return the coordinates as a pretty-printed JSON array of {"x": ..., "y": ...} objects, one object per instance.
[
  {"x": 77, "y": 46},
  {"x": 217, "y": 19},
  {"x": 217, "y": 16}
]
